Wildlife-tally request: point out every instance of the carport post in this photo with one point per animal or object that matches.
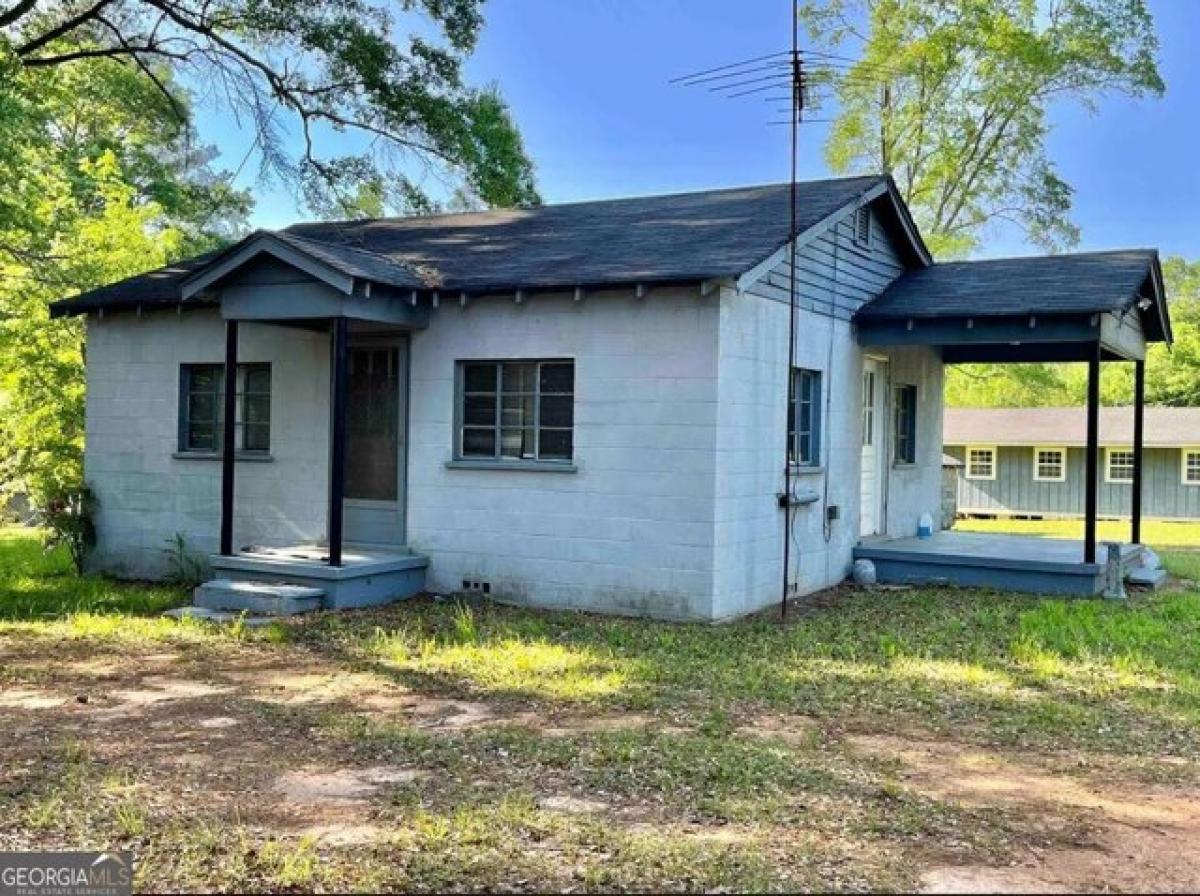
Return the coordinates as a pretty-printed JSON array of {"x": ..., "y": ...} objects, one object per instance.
[
  {"x": 1139, "y": 412},
  {"x": 228, "y": 436},
  {"x": 1092, "y": 473},
  {"x": 337, "y": 442}
]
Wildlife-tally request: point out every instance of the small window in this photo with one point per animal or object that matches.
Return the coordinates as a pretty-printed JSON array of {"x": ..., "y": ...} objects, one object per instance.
[
  {"x": 202, "y": 408},
  {"x": 804, "y": 418},
  {"x": 1119, "y": 465},
  {"x": 1049, "y": 465},
  {"x": 862, "y": 226},
  {"x": 516, "y": 410},
  {"x": 1190, "y": 471},
  {"x": 981, "y": 462},
  {"x": 906, "y": 425}
]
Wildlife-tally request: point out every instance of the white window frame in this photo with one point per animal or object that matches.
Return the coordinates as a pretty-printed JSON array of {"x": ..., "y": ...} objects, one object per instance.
[
  {"x": 1108, "y": 454},
  {"x": 967, "y": 462},
  {"x": 1183, "y": 465},
  {"x": 1037, "y": 466}
]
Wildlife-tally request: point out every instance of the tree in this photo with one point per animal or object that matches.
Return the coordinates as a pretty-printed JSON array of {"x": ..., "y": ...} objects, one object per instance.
[
  {"x": 951, "y": 96},
  {"x": 96, "y": 184},
  {"x": 321, "y": 67}
]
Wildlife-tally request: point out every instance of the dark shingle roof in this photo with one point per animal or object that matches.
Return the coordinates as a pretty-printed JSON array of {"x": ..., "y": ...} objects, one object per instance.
[
  {"x": 354, "y": 261},
  {"x": 1081, "y": 283},
  {"x": 1165, "y": 427},
  {"x": 679, "y": 237}
]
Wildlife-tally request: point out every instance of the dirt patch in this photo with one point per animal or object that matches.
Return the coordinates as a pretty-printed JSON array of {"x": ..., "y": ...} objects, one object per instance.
[
  {"x": 572, "y": 805},
  {"x": 30, "y": 699},
  {"x": 318, "y": 786},
  {"x": 1142, "y": 837},
  {"x": 796, "y": 730}
]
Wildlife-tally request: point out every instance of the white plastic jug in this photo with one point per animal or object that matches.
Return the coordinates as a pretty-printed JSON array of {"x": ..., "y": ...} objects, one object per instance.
[{"x": 925, "y": 526}]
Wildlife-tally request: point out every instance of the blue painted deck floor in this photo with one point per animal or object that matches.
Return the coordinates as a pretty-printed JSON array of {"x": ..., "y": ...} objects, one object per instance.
[{"x": 1005, "y": 562}]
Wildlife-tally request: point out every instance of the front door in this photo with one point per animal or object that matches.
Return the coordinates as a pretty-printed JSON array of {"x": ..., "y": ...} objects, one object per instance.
[
  {"x": 874, "y": 415},
  {"x": 375, "y": 442}
]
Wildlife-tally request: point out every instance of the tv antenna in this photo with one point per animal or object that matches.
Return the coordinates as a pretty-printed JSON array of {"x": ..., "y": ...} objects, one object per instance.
[{"x": 787, "y": 77}]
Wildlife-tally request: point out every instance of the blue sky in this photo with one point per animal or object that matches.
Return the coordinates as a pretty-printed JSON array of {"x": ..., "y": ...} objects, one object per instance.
[{"x": 588, "y": 83}]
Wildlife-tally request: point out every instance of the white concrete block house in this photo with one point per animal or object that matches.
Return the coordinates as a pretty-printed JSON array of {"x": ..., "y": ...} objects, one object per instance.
[{"x": 577, "y": 406}]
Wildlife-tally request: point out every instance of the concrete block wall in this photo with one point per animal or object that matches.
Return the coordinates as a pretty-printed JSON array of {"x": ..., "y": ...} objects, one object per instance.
[
  {"x": 145, "y": 493},
  {"x": 835, "y": 277},
  {"x": 751, "y": 438},
  {"x": 914, "y": 489},
  {"x": 632, "y": 530}
]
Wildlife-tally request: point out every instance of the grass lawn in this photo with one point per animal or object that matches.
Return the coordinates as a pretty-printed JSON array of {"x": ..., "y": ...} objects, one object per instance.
[{"x": 879, "y": 740}]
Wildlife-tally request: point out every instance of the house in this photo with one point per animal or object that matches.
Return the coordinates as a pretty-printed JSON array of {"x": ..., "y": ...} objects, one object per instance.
[
  {"x": 584, "y": 405},
  {"x": 1030, "y": 461}
]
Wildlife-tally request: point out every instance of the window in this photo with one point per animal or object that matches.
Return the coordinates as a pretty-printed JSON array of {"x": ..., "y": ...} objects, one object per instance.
[
  {"x": 202, "y": 408},
  {"x": 516, "y": 410},
  {"x": 1190, "y": 470},
  {"x": 1119, "y": 466},
  {"x": 1049, "y": 465},
  {"x": 804, "y": 418},
  {"x": 862, "y": 226},
  {"x": 981, "y": 462},
  {"x": 906, "y": 425}
]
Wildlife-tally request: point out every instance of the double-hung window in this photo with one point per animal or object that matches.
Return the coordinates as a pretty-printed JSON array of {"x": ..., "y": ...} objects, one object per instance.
[
  {"x": 906, "y": 425},
  {"x": 516, "y": 410},
  {"x": 981, "y": 462},
  {"x": 804, "y": 418},
  {"x": 1049, "y": 464},
  {"x": 1189, "y": 472},
  {"x": 202, "y": 408},
  {"x": 1118, "y": 465}
]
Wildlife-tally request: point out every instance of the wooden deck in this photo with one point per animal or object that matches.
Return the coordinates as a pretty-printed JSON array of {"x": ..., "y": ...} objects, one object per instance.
[{"x": 980, "y": 560}]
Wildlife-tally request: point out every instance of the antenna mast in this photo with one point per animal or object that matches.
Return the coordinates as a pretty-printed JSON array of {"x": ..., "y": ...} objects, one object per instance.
[
  {"x": 797, "y": 69},
  {"x": 766, "y": 77}
]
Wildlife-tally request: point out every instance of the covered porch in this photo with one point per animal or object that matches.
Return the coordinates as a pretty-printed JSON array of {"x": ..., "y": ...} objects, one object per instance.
[
  {"x": 1092, "y": 308},
  {"x": 368, "y": 309}
]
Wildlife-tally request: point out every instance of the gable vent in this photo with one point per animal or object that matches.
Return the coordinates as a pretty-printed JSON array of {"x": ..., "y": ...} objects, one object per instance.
[{"x": 862, "y": 226}]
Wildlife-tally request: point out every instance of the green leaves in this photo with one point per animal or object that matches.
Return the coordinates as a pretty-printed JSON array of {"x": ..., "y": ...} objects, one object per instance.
[
  {"x": 300, "y": 72},
  {"x": 951, "y": 96}
]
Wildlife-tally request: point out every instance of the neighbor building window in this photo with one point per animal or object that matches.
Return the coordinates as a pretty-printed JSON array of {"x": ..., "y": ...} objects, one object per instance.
[
  {"x": 202, "y": 408},
  {"x": 1049, "y": 464},
  {"x": 1190, "y": 472},
  {"x": 906, "y": 425},
  {"x": 1119, "y": 465},
  {"x": 804, "y": 418},
  {"x": 981, "y": 462},
  {"x": 516, "y": 410}
]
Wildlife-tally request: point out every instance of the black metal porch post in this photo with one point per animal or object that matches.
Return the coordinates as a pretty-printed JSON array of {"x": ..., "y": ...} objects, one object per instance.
[
  {"x": 229, "y": 436},
  {"x": 1139, "y": 408},
  {"x": 337, "y": 446},
  {"x": 1093, "y": 456}
]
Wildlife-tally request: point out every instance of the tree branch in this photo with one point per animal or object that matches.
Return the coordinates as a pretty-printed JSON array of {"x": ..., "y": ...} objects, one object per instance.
[
  {"x": 10, "y": 15},
  {"x": 61, "y": 30}
]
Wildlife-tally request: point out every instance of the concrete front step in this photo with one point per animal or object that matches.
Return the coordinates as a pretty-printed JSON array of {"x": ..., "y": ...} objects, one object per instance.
[
  {"x": 1143, "y": 577},
  {"x": 266, "y": 598}
]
